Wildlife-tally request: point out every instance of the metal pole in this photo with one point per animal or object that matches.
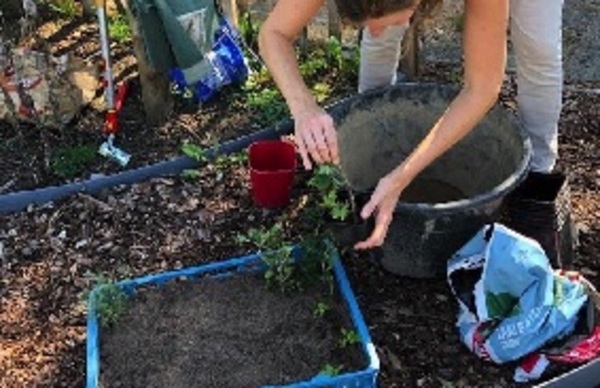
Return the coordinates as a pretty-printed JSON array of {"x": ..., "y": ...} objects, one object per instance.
[{"x": 105, "y": 46}]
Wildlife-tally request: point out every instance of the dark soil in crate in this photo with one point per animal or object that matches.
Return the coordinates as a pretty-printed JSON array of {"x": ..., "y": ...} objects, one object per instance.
[{"x": 229, "y": 332}]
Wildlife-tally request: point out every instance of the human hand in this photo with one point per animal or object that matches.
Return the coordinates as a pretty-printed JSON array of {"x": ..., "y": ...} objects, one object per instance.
[
  {"x": 383, "y": 202},
  {"x": 316, "y": 137}
]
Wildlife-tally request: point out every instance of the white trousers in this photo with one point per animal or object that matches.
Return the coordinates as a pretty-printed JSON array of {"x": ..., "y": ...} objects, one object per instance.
[{"x": 536, "y": 35}]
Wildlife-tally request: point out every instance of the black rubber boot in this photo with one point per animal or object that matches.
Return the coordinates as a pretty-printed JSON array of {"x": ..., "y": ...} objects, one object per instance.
[{"x": 540, "y": 208}]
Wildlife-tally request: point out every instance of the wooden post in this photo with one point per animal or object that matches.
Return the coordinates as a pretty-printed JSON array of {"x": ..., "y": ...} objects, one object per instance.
[
  {"x": 410, "y": 61},
  {"x": 235, "y": 9},
  {"x": 88, "y": 7},
  {"x": 230, "y": 8},
  {"x": 156, "y": 93},
  {"x": 334, "y": 21}
]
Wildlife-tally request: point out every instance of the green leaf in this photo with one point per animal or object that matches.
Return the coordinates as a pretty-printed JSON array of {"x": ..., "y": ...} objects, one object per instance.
[
  {"x": 331, "y": 370},
  {"x": 340, "y": 212},
  {"x": 193, "y": 151},
  {"x": 191, "y": 174}
]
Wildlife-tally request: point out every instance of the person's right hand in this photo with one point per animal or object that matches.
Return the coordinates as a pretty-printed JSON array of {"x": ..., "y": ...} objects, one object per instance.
[{"x": 316, "y": 137}]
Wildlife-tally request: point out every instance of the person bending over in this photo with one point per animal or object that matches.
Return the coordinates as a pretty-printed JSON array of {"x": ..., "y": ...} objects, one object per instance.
[{"x": 535, "y": 28}]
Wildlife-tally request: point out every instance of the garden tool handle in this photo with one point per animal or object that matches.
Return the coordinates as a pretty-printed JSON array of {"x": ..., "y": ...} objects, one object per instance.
[
  {"x": 100, "y": 3},
  {"x": 111, "y": 123},
  {"x": 122, "y": 90}
]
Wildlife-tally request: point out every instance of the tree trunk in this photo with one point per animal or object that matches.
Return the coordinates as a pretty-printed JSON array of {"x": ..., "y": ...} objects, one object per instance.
[
  {"x": 410, "y": 62},
  {"x": 334, "y": 21},
  {"x": 88, "y": 7},
  {"x": 156, "y": 94}
]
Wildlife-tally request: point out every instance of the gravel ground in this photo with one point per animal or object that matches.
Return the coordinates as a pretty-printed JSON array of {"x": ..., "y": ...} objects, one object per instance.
[{"x": 581, "y": 39}]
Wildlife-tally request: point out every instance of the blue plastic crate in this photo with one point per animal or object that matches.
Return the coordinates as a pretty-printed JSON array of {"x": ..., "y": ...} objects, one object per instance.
[{"x": 366, "y": 378}]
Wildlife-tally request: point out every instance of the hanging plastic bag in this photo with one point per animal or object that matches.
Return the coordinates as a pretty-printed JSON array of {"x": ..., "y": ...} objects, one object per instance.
[
  {"x": 194, "y": 42},
  {"x": 225, "y": 64},
  {"x": 511, "y": 302}
]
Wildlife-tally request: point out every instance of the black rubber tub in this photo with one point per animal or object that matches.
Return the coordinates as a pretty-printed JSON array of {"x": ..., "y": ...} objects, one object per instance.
[{"x": 451, "y": 199}]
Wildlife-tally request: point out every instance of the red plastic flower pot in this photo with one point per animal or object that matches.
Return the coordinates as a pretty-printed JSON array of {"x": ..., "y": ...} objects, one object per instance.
[{"x": 272, "y": 167}]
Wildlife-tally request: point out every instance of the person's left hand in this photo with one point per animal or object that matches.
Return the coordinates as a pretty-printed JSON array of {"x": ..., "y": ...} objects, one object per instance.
[{"x": 383, "y": 202}]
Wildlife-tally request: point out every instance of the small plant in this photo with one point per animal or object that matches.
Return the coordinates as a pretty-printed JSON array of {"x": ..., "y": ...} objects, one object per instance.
[
  {"x": 332, "y": 370},
  {"x": 257, "y": 80},
  {"x": 329, "y": 183},
  {"x": 224, "y": 162},
  {"x": 119, "y": 29},
  {"x": 249, "y": 30},
  {"x": 349, "y": 338},
  {"x": 69, "y": 162},
  {"x": 276, "y": 253},
  {"x": 314, "y": 65},
  {"x": 111, "y": 302},
  {"x": 322, "y": 91},
  {"x": 335, "y": 52},
  {"x": 196, "y": 153},
  {"x": 321, "y": 309},
  {"x": 345, "y": 60},
  {"x": 66, "y": 8},
  {"x": 316, "y": 265},
  {"x": 268, "y": 104}
]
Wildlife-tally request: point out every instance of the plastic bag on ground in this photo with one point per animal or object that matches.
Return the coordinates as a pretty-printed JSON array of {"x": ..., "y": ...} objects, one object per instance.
[{"x": 511, "y": 302}]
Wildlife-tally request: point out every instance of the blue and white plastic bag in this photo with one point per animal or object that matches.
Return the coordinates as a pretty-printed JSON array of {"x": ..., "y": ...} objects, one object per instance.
[
  {"x": 511, "y": 301},
  {"x": 224, "y": 64}
]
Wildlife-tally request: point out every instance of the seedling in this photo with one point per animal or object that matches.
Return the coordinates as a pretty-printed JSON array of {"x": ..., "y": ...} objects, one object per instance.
[
  {"x": 332, "y": 370},
  {"x": 190, "y": 174},
  {"x": 257, "y": 80},
  {"x": 346, "y": 61},
  {"x": 316, "y": 265},
  {"x": 329, "y": 181},
  {"x": 322, "y": 91},
  {"x": 223, "y": 162},
  {"x": 321, "y": 309},
  {"x": 196, "y": 153},
  {"x": 268, "y": 104},
  {"x": 111, "y": 302},
  {"x": 314, "y": 64},
  {"x": 66, "y": 8},
  {"x": 349, "y": 338},
  {"x": 249, "y": 30},
  {"x": 276, "y": 253},
  {"x": 69, "y": 162},
  {"x": 119, "y": 29}
]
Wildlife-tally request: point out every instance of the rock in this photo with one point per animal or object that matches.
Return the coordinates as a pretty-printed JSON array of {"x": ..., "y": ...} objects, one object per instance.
[
  {"x": 441, "y": 297},
  {"x": 81, "y": 243},
  {"x": 582, "y": 228}
]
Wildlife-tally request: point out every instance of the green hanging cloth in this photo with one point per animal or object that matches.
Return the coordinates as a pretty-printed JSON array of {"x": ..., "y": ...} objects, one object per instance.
[{"x": 178, "y": 33}]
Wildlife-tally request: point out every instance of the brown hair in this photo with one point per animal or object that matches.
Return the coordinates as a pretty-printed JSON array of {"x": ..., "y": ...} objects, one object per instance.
[{"x": 357, "y": 11}]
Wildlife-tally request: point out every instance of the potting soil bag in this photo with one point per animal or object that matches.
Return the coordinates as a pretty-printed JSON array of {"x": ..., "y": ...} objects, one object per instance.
[
  {"x": 511, "y": 302},
  {"x": 193, "y": 42}
]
